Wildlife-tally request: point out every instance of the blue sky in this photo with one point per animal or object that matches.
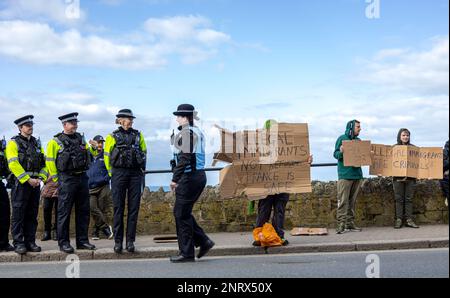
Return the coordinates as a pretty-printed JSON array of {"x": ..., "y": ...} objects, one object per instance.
[{"x": 238, "y": 61}]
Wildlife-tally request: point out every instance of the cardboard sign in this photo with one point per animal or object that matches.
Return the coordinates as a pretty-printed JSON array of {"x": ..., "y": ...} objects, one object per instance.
[
  {"x": 407, "y": 161},
  {"x": 357, "y": 153},
  {"x": 266, "y": 162},
  {"x": 309, "y": 232},
  {"x": 381, "y": 160},
  {"x": 284, "y": 142}
]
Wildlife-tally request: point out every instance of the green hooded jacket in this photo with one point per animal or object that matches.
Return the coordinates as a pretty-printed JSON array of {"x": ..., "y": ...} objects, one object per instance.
[{"x": 347, "y": 173}]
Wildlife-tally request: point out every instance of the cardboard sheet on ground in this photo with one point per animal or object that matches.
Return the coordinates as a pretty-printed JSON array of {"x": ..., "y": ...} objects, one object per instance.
[
  {"x": 407, "y": 161},
  {"x": 309, "y": 232},
  {"x": 265, "y": 162},
  {"x": 357, "y": 153}
]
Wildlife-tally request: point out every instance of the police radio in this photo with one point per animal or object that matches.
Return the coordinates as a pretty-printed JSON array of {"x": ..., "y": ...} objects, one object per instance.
[
  {"x": 3, "y": 144},
  {"x": 173, "y": 162}
]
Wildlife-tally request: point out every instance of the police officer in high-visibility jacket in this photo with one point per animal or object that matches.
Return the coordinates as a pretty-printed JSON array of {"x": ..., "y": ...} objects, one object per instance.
[
  {"x": 125, "y": 156},
  {"x": 188, "y": 182},
  {"x": 26, "y": 160},
  {"x": 5, "y": 207},
  {"x": 68, "y": 160}
]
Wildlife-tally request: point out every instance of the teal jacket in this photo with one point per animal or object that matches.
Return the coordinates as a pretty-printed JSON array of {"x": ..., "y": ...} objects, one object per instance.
[{"x": 347, "y": 173}]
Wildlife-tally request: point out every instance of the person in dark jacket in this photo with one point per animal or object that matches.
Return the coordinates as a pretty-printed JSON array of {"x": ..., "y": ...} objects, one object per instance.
[
  {"x": 188, "y": 182},
  {"x": 404, "y": 189},
  {"x": 99, "y": 191},
  {"x": 350, "y": 181},
  {"x": 444, "y": 182},
  {"x": 49, "y": 196},
  {"x": 5, "y": 206}
]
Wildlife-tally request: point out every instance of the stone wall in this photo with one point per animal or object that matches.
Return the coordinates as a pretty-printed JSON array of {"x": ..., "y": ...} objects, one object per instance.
[{"x": 375, "y": 207}]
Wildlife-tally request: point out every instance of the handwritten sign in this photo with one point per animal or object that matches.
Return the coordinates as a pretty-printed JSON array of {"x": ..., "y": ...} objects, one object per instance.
[
  {"x": 266, "y": 162},
  {"x": 407, "y": 161},
  {"x": 357, "y": 153}
]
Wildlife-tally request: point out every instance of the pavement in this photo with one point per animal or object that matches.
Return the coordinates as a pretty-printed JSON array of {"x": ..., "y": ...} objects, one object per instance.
[{"x": 235, "y": 244}]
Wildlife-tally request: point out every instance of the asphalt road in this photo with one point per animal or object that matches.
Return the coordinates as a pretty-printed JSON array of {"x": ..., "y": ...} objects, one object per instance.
[{"x": 393, "y": 264}]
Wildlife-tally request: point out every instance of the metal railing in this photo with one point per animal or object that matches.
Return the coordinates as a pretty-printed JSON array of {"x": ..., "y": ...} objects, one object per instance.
[{"x": 317, "y": 165}]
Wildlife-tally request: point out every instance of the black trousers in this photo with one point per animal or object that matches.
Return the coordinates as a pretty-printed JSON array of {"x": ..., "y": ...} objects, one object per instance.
[
  {"x": 50, "y": 205},
  {"x": 278, "y": 204},
  {"x": 73, "y": 190},
  {"x": 25, "y": 208},
  {"x": 5, "y": 216},
  {"x": 190, "y": 234},
  {"x": 126, "y": 184},
  {"x": 404, "y": 193}
]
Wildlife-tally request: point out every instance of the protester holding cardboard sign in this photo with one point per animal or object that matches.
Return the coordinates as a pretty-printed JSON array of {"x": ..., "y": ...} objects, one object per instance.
[
  {"x": 404, "y": 189},
  {"x": 278, "y": 203},
  {"x": 350, "y": 181}
]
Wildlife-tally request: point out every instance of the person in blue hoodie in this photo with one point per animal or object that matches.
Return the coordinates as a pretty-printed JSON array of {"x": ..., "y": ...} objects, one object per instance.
[
  {"x": 99, "y": 191},
  {"x": 349, "y": 183}
]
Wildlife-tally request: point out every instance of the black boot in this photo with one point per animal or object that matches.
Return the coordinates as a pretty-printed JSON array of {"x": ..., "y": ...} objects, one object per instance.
[
  {"x": 46, "y": 236},
  {"x": 130, "y": 247},
  {"x": 118, "y": 248}
]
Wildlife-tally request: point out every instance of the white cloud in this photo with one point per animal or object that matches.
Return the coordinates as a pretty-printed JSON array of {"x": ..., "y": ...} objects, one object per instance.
[
  {"x": 185, "y": 28},
  {"x": 189, "y": 38},
  {"x": 38, "y": 43},
  {"x": 44, "y": 10},
  {"x": 407, "y": 70}
]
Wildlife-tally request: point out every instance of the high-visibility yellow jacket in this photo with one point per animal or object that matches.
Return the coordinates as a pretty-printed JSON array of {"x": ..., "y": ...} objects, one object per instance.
[
  {"x": 12, "y": 155},
  {"x": 53, "y": 148},
  {"x": 110, "y": 144}
]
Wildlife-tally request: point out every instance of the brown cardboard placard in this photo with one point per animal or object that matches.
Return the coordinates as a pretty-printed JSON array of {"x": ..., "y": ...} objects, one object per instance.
[
  {"x": 381, "y": 160},
  {"x": 284, "y": 142},
  {"x": 407, "y": 161},
  {"x": 266, "y": 162},
  {"x": 357, "y": 153}
]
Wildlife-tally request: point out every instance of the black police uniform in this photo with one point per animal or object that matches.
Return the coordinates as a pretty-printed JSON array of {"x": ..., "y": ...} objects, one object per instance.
[
  {"x": 128, "y": 162},
  {"x": 189, "y": 174},
  {"x": 72, "y": 164},
  {"x": 72, "y": 158},
  {"x": 24, "y": 197},
  {"x": 5, "y": 208}
]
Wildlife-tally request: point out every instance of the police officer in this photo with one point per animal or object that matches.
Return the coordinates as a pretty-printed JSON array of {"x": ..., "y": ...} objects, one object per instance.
[
  {"x": 67, "y": 161},
  {"x": 125, "y": 159},
  {"x": 188, "y": 182},
  {"x": 26, "y": 161},
  {"x": 5, "y": 208}
]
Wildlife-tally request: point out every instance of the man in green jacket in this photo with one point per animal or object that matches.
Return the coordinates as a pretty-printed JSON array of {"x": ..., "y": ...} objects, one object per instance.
[{"x": 350, "y": 181}]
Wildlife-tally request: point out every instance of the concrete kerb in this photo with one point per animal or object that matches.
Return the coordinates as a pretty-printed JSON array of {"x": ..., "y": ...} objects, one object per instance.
[{"x": 164, "y": 252}]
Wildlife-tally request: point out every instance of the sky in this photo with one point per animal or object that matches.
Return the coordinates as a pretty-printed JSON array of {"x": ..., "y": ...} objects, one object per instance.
[{"x": 239, "y": 62}]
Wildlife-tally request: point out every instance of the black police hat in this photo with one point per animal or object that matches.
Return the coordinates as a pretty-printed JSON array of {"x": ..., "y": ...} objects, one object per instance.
[
  {"x": 69, "y": 117},
  {"x": 125, "y": 113},
  {"x": 99, "y": 138},
  {"x": 24, "y": 120},
  {"x": 186, "y": 110}
]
